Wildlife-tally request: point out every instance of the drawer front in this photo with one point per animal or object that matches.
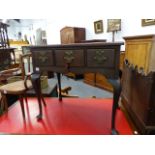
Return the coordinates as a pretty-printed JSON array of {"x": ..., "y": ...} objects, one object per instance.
[
  {"x": 43, "y": 58},
  {"x": 74, "y": 58},
  {"x": 101, "y": 58}
]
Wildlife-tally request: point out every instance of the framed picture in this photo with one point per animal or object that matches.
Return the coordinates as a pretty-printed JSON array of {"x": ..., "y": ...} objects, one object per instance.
[
  {"x": 113, "y": 25},
  {"x": 98, "y": 26},
  {"x": 147, "y": 22}
]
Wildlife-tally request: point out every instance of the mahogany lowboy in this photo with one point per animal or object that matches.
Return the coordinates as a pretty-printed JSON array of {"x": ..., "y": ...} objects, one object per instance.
[{"x": 99, "y": 57}]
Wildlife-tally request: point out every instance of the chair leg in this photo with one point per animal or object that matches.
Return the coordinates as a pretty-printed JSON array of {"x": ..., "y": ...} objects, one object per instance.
[
  {"x": 1, "y": 105},
  {"x": 39, "y": 117},
  {"x": 35, "y": 78},
  {"x": 39, "y": 98},
  {"x": 42, "y": 98},
  {"x": 4, "y": 102},
  {"x": 22, "y": 105},
  {"x": 25, "y": 97}
]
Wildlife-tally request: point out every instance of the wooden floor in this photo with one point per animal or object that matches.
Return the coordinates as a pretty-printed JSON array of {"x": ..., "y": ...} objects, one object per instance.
[{"x": 72, "y": 116}]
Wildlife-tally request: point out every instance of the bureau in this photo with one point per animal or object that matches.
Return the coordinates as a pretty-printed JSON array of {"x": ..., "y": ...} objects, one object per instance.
[{"x": 81, "y": 58}]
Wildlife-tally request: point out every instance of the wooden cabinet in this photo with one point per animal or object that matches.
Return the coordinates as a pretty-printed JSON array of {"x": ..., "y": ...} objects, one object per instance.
[
  {"x": 102, "y": 82},
  {"x": 72, "y": 35},
  {"x": 90, "y": 78},
  {"x": 139, "y": 100},
  {"x": 140, "y": 53},
  {"x": 6, "y": 59},
  {"x": 98, "y": 79},
  {"x": 139, "y": 82}
]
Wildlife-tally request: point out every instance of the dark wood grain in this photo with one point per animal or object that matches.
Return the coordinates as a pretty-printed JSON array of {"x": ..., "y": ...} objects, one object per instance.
[{"x": 139, "y": 99}]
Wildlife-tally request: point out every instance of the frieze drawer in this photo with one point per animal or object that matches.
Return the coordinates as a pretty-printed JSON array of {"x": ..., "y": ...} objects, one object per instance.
[
  {"x": 43, "y": 58},
  {"x": 101, "y": 58},
  {"x": 73, "y": 58}
]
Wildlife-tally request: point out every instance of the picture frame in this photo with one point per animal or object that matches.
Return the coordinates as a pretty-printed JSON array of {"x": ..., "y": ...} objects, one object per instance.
[
  {"x": 113, "y": 25},
  {"x": 98, "y": 26},
  {"x": 148, "y": 22}
]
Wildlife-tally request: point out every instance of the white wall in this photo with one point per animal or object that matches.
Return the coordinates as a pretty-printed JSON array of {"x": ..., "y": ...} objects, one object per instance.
[
  {"x": 129, "y": 27},
  {"x": 30, "y": 26},
  {"x": 52, "y": 27},
  {"x": 26, "y": 26},
  {"x": 13, "y": 29}
]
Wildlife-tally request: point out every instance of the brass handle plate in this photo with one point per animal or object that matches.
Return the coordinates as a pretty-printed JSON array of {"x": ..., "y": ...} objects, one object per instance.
[
  {"x": 42, "y": 57},
  {"x": 100, "y": 57},
  {"x": 69, "y": 57}
]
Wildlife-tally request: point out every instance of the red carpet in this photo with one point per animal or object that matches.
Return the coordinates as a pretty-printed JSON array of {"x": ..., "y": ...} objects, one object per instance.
[{"x": 71, "y": 116}]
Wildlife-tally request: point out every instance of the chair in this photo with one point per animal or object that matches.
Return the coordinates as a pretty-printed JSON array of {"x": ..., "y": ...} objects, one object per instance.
[{"x": 21, "y": 86}]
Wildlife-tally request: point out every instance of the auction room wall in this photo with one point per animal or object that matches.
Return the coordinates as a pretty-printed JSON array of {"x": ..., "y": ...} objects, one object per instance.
[{"x": 52, "y": 27}]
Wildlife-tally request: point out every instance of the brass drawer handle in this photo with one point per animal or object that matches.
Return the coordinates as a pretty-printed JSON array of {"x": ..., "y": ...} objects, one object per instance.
[
  {"x": 43, "y": 57},
  {"x": 99, "y": 57},
  {"x": 69, "y": 57}
]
